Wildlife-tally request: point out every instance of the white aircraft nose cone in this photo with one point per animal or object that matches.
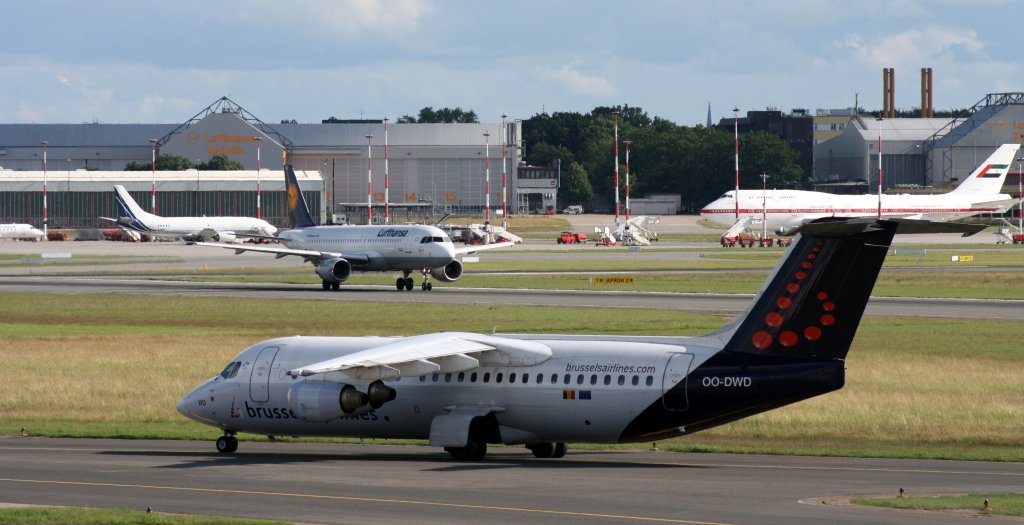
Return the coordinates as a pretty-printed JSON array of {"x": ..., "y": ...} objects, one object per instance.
[{"x": 183, "y": 406}]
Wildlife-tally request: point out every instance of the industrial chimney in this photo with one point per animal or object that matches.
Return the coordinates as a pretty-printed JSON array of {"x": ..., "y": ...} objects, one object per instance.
[{"x": 927, "y": 109}]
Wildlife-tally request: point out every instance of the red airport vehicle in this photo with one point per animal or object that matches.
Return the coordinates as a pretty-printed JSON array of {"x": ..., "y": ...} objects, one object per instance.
[{"x": 571, "y": 237}]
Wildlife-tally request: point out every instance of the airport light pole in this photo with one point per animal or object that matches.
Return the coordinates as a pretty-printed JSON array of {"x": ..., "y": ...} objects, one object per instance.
[
  {"x": 764, "y": 206},
  {"x": 258, "y": 211},
  {"x": 616, "y": 113},
  {"x": 879, "y": 119},
  {"x": 487, "y": 177},
  {"x": 1020, "y": 197},
  {"x": 369, "y": 178},
  {"x": 627, "y": 143},
  {"x": 504, "y": 174},
  {"x": 45, "y": 209},
  {"x": 152, "y": 164},
  {"x": 387, "y": 198},
  {"x": 736, "y": 155}
]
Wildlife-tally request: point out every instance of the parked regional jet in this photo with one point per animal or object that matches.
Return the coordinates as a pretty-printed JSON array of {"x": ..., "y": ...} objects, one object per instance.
[
  {"x": 337, "y": 251},
  {"x": 20, "y": 231},
  {"x": 225, "y": 229},
  {"x": 465, "y": 390},
  {"x": 786, "y": 209}
]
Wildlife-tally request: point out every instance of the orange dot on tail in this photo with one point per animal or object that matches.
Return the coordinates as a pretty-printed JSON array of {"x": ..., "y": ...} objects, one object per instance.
[
  {"x": 828, "y": 319},
  {"x": 762, "y": 340},
  {"x": 792, "y": 288},
  {"x": 783, "y": 302},
  {"x": 822, "y": 296},
  {"x": 828, "y": 306},
  {"x": 812, "y": 333},
  {"x": 788, "y": 338},
  {"x": 773, "y": 319}
]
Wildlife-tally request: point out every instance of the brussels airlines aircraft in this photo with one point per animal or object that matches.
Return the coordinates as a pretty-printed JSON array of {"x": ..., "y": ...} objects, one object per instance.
[
  {"x": 787, "y": 209},
  {"x": 225, "y": 229},
  {"x": 465, "y": 390},
  {"x": 20, "y": 231},
  {"x": 337, "y": 251}
]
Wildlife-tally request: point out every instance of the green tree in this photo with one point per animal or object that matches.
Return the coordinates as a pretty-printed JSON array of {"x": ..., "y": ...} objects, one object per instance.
[
  {"x": 221, "y": 162},
  {"x": 429, "y": 115},
  {"x": 172, "y": 163},
  {"x": 575, "y": 188},
  {"x": 137, "y": 166}
]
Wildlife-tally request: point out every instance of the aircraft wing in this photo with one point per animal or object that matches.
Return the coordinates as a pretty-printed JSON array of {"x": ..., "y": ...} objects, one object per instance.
[
  {"x": 1001, "y": 205},
  {"x": 443, "y": 352},
  {"x": 283, "y": 252},
  {"x": 477, "y": 247}
]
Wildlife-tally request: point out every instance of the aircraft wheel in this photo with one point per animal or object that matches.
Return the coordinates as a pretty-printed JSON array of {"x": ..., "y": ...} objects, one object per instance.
[
  {"x": 423, "y": 287},
  {"x": 227, "y": 444},
  {"x": 326, "y": 285},
  {"x": 560, "y": 450},
  {"x": 542, "y": 450},
  {"x": 475, "y": 450},
  {"x": 335, "y": 286},
  {"x": 430, "y": 287},
  {"x": 400, "y": 284}
]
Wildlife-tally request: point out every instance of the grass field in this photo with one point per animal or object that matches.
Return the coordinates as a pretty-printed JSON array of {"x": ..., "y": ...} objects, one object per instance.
[
  {"x": 1000, "y": 504},
  {"x": 116, "y": 366},
  {"x": 91, "y": 516}
]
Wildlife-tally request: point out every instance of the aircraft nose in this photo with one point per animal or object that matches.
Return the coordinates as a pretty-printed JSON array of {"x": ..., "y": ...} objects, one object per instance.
[{"x": 183, "y": 405}]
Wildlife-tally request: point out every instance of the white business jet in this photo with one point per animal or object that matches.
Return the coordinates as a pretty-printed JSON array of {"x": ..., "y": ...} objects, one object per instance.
[
  {"x": 337, "y": 251},
  {"x": 225, "y": 229},
  {"x": 786, "y": 209},
  {"x": 463, "y": 391},
  {"x": 20, "y": 231}
]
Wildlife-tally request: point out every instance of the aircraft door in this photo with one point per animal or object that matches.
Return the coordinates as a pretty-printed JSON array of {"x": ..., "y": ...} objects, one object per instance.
[
  {"x": 259, "y": 381},
  {"x": 673, "y": 384}
]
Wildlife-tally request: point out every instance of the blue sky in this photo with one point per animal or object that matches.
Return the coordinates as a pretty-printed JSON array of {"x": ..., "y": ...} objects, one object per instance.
[{"x": 161, "y": 62}]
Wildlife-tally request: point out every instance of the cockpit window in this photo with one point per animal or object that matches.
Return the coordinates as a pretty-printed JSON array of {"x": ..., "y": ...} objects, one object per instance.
[
  {"x": 231, "y": 370},
  {"x": 428, "y": 240}
]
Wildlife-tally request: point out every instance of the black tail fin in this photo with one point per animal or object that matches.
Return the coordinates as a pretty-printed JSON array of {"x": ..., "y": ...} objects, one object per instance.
[
  {"x": 811, "y": 306},
  {"x": 298, "y": 212}
]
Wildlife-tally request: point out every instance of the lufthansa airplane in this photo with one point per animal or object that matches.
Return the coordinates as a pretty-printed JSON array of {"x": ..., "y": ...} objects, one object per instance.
[
  {"x": 463, "y": 391},
  {"x": 337, "y": 251},
  {"x": 783, "y": 210},
  {"x": 225, "y": 229}
]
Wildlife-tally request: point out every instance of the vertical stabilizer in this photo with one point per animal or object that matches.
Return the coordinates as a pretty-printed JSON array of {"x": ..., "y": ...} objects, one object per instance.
[
  {"x": 988, "y": 178},
  {"x": 129, "y": 213},
  {"x": 812, "y": 304},
  {"x": 298, "y": 212}
]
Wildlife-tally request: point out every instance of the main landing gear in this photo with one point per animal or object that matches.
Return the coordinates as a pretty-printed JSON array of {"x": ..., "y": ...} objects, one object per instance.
[
  {"x": 331, "y": 286},
  {"x": 406, "y": 283},
  {"x": 548, "y": 449},
  {"x": 227, "y": 444}
]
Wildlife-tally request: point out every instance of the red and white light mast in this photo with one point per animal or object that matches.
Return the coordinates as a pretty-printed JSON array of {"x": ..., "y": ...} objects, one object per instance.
[
  {"x": 152, "y": 206},
  {"x": 627, "y": 143},
  {"x": 736, "y": 155},
  {"x": 487, "y": 177},
  {"x": 258, "y": 167},
  {"x": 387, "y": 202},
  {"x": 369, "y": 178},
  {"x": 616, "y": 113},
  {"x": 46, "y": 215},
  {"x": 504, "y": 175},
  {"x": 879, "y": 119}
]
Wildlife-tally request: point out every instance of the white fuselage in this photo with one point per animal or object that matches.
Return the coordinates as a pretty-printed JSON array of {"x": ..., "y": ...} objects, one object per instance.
[
  {"x": 783, "y": 209},
  {"x": 193, "y": 228},
  {"x": 20, "y": 231},
  {"x": 377, "y": 248},
  {"x": 587, "y": 390}
]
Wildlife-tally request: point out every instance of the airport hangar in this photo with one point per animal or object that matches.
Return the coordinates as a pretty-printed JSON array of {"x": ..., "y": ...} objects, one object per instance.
[
  {"x": 432, "y": 168},
  {"x": 919, "y": 154}
]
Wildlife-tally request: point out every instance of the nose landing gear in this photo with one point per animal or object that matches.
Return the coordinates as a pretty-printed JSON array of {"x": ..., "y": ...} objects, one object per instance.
[{"x": 227, "y": 444}]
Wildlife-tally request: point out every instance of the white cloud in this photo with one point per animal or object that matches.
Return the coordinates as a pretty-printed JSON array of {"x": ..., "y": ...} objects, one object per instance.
[
  {"x": 912, "y": 48},
  {"x": 580, "y": 83}
]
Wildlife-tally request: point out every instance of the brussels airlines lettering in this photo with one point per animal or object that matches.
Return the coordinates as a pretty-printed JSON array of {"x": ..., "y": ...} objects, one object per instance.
[{"x": 286, "y": 413}]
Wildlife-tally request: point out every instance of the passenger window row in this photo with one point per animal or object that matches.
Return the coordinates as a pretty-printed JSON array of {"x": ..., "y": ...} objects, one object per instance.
[{"x": 514, "y": 378}]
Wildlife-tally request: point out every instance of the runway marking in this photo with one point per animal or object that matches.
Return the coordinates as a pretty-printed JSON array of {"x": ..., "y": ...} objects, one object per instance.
[
  {"x": 619, "y": 517},
  {"x": 840, "y": 469}
]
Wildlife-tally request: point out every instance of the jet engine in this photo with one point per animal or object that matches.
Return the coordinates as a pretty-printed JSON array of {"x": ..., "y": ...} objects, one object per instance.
[
  {"x": 323, "y": 401},
  {"x": 449, "y": 273},
  {"x": 210, "y": 234},
  {"x": 334, "y": 270},
  {"x": 378, "y": 393}
]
